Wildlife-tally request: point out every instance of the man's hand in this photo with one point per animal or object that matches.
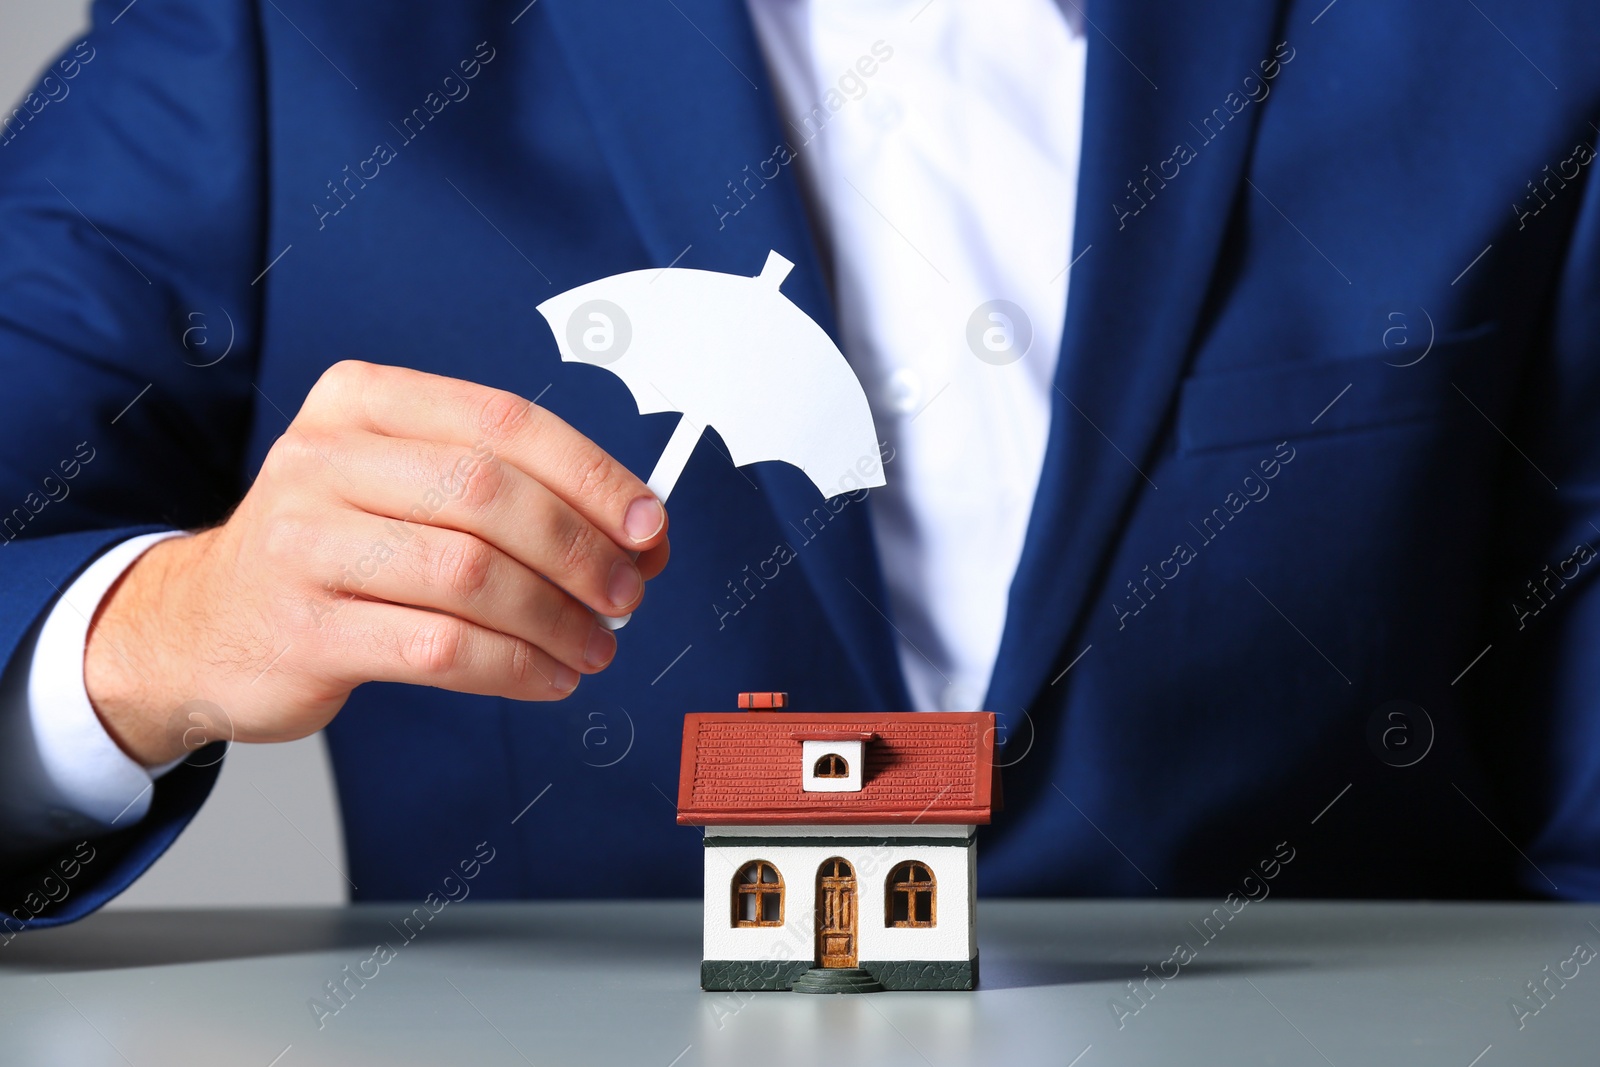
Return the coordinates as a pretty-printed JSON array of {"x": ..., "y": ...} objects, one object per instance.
[{"x": 405, "y": 528}]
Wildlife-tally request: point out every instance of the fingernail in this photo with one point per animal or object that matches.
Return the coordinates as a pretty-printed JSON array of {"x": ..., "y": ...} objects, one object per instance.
[
  {"x": 644, "y": 519},
  {"x": 601, "y": 647},
  {"x": 623, "y": 587},
  {"x": 565, "y": 679}
]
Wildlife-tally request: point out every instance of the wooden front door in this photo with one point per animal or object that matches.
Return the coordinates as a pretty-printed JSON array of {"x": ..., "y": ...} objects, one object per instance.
[{"x": 836, "y": 914}]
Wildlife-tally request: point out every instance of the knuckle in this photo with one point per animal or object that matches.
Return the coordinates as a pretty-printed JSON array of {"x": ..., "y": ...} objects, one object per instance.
[
  {"x": 292, "y": 457},
  {"x": 463, "y": 565},
  {"x": 343, "y": 379},
  {"x": 504, "y": 415},
  {"x": 286, "y": 542},
  {"x": 596, "y": 475},
  {"x": 434, "y": 647},
  {"x": 554, "y": 612},
  {"x": 480, "y": 483},
  {"x": 580, "y": 547},
  {"x": 524, "y": 668}
]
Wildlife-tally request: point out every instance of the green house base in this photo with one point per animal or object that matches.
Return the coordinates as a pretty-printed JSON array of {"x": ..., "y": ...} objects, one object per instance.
[
  {"x": 758, "y": 975},
  {"x": 775, "y": 975}
]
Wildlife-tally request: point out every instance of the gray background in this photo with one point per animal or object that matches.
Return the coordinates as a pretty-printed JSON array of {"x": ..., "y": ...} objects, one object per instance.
[{"x": 270, "y": 833}]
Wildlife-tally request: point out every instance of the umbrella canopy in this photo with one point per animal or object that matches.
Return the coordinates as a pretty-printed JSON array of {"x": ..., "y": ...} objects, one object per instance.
[{"x": 727, "y": 351}]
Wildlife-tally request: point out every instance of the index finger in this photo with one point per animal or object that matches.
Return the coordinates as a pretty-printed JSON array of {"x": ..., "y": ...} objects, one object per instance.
[{"x": 412, "y": 404}]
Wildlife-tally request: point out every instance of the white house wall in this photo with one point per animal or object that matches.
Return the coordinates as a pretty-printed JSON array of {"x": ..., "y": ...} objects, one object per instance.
[
  {"x": 954, "y": 870},
  {"x": 849, "y": 751}
]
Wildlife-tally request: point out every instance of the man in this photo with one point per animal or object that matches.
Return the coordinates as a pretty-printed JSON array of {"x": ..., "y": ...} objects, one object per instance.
[{"x": 1233, "y": 428}]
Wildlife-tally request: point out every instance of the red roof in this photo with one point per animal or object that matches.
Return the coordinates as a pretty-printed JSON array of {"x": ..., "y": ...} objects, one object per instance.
[
  {"x": 744, "y": 768},
  {"x": 832, "y": 735}
]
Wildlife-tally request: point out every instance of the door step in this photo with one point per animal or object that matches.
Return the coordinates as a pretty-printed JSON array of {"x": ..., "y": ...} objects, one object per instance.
[{"x": 837, "y": 980}]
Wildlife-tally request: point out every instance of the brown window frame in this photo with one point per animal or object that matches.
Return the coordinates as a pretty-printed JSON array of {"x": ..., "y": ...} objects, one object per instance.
[
  {"x": 838, "y": 768},
  {"x": 901, "y": 881},
  {"x": 757, "y": 889},
  {"x": 836, "y": 867}
]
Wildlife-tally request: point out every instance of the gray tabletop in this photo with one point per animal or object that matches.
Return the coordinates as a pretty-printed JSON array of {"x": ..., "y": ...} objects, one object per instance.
[{"x": 551, "y": 984}]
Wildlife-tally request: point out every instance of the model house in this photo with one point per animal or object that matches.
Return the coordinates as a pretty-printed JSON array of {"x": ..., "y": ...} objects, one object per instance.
[{"x": 840, "y": 853}]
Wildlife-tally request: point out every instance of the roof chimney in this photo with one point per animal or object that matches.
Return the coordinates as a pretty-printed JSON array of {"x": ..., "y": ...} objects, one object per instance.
[{"x": 763, "y": 701}]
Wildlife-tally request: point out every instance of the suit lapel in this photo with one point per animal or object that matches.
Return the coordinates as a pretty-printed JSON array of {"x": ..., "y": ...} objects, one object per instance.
[
  {"x": 1136, "y": 296},
  {"x": 684, "y": 111}
]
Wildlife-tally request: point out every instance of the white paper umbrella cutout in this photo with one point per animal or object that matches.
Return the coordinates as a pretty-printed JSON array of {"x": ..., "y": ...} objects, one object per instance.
[{"x": 731, "y": 352}]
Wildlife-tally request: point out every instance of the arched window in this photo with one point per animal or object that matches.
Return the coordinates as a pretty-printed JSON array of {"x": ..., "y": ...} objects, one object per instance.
[
  {"x": 911, "y": 896},
  {"x": 758, "y": 895},
  {"x": 832, "y": 765}
]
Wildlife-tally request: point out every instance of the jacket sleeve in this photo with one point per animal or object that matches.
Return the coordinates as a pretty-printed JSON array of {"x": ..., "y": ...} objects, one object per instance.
[
  {"x": 131, "y": 192},
  {"x": 1539, "y": 709}
]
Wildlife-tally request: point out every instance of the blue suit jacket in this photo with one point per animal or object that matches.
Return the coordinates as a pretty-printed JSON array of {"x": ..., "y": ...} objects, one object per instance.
[{"x": 1265, "y": 514}]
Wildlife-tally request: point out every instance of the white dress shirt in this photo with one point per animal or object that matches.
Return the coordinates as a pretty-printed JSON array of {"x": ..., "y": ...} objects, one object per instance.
[
  {"x": 937, "y": 142},
  {"x": 942, "y": 182},
  {"x": 62, "y": 777}
]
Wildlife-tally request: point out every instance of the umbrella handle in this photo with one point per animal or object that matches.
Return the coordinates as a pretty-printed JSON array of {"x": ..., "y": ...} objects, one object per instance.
[
  {"x": 679, "y": 448},
  {"x": 676, "y": 456}
]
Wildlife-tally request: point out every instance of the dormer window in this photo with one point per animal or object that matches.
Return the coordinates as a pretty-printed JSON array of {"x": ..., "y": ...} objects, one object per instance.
[
  {"x": 832, "y": 761},
  {"x": 832, "y": 765}
]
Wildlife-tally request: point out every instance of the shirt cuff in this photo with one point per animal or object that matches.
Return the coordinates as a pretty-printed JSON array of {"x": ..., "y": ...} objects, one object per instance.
[{"x": 81, "y": 773}]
